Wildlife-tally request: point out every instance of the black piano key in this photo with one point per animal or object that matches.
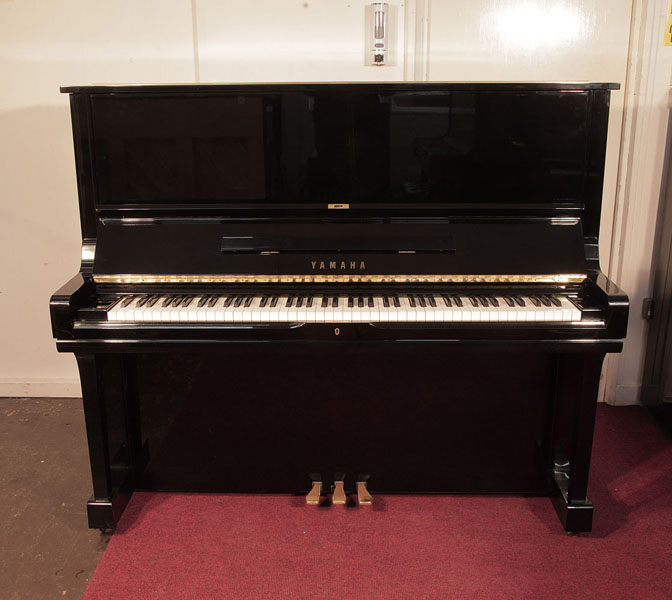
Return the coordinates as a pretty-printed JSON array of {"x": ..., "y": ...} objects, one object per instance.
[
  {"x": 274, "y": 301},
  {"x": 334, "y": 302},
  {"x": 493, "y": 301},
  {"x": 264, "y": 302},
  {"x": 545, "y": 300},
  {"x": 483, "y": 300},
  {"x": 422, "y": 301},
  {"x": 534, "y": 300},
  {"x": 167, "y": 301},
  {"x": 360, "y": 302},
  {"x": 228, "y": 302},
  {"x": 351, "y": 302},
  {"x": 411, "y": 300},
  {"x": 176, "y": 301},
  {"x": 238, "y": 301},
  {"x": 370, "y": 302},
  {"x": 202, "y": 301},
  {"x": 446, "y": 299},
  {"x": 126, "y": 301},
  {"x": 187, "y": 301},
  {"x": 473, "y": 300},
  {"x": 290, "y": 301},
  {"x": 152, "y": 301},
  {"x": 431, "y": 301},
  {"x": 386, "y": 302},
  {"x": 396, "y": 302},
  {"x": 213, "y": 300},
  {"x": 142, "y": 301},
  {"x": 299, "y": 302},
  {"x": 325, "y": 302},
  {"x": 309, "y": 302},
  {"x": 248, "y": 301},
  {"x": 520, "y": 301},
  {"x": 555, "y": 300},
  {"x": 509, "y": 300},
  {"x": 458, "y": 301}
]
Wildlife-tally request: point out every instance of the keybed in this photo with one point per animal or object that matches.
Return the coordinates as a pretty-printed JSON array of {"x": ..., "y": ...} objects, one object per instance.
[{"x": 343, "y": 308}]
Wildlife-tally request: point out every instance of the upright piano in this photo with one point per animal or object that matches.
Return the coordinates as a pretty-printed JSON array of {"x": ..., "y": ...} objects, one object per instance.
[{"x": 365, "y": 287}]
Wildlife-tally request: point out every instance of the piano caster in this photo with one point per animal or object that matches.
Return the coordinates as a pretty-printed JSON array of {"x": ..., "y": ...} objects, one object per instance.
[
  {"x": 363, "y": 496},
  {"x": 338, "y": 496},
  {"x": 315, "y": 493}
]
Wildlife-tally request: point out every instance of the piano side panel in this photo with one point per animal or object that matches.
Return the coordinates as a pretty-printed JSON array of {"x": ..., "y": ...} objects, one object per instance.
[
  {"x": 418, "y": 419},
  {"x": 80, "y": 110}
]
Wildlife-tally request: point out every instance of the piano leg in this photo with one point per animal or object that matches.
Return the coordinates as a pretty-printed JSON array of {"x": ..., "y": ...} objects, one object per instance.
[
  {"x": 576, "y": 403},
  {"x": 112, "y": 473}
]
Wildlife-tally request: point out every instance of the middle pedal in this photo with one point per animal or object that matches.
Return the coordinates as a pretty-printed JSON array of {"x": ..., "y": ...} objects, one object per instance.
[{"x": 339, "y": 496}]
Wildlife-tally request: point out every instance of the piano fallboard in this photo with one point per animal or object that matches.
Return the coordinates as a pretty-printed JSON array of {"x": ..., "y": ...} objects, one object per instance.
[{"x": 129, "y": 250}]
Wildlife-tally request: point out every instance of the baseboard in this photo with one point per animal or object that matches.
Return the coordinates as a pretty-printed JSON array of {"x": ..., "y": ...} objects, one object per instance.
[
  {"x": 46, "y": 388},
  {"x": 625, "y": 395}
]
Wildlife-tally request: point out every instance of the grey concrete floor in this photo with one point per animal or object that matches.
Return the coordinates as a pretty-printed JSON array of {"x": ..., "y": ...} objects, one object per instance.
[{"x": 46, "y": 548}]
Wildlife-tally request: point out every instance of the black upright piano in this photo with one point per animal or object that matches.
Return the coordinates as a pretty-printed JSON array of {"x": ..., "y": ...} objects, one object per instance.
[{"x": 386, "y": 288}]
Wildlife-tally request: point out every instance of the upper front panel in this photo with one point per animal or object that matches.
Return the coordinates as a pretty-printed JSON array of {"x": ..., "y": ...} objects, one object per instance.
[{"x": 419, "y": 148}]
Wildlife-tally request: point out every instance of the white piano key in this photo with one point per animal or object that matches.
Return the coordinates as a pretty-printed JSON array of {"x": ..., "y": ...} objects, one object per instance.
[
  {"x": 282, "y": 310},
  {"x": 338, "y": 311},
  {"x": 375, "y": 311},
  {"x": 320, "y": 311},
  {"x": 184, "y": 311},
  {"x": 246, "y": 311},
  {"x": 301, "y": 311},
  {"x": 256, "y": 310},
  {"x": 113, "y": 312},
  {"x": 193, "y": 312}
]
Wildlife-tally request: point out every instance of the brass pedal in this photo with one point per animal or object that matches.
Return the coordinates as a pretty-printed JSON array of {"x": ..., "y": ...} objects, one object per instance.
[
  {"x": 363, "y": 496},
  {"x": 339, "y": 496},
  {"x": 315, "y": 493}
]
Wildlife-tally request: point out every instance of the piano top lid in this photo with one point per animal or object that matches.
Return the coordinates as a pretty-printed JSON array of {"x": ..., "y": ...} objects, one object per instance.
[
  {"x": 476, "y": 86},
  {"x": 341, "y": 151}
]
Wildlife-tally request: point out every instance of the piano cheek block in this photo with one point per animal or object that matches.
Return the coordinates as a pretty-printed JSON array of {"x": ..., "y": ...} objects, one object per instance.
[{"x": 353, "y": 276}]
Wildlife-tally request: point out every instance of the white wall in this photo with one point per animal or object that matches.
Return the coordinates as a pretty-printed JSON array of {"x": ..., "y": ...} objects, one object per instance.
[
  {"x": 298, "y": 40},
  {"x": 645, "y": 140},
  {"x": 44, "y": 45},
  {"x": 47, "y": 44}
]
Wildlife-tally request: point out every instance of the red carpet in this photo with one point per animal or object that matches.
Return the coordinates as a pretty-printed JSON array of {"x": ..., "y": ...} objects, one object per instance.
[{"x": 182, "y": 546}]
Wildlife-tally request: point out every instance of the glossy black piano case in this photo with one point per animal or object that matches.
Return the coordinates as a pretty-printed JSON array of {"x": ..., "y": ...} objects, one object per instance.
[{"x": 432, "y": 187}]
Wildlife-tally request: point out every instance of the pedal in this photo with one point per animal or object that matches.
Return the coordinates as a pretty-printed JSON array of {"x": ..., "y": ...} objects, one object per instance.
[
  {"x": 363, "y": 496},
  {"x": 339, "y": 496},
  {"x": 315, "y": 492}
]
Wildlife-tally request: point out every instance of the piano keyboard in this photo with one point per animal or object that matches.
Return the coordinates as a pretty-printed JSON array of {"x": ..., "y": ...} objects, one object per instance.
[{"x": 355, "y": 308}]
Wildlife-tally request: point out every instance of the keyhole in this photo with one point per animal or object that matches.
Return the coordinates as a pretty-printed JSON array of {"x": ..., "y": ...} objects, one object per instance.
[{"x": 337, "y": 331}]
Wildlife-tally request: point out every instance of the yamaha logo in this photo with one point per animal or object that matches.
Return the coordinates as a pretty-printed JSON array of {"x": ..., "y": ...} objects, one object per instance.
[{"x": 338, "y": 265}]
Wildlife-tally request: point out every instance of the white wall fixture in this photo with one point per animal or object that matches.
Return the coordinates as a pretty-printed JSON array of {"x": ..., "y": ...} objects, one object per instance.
[{"x": 377, "y": 30}]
